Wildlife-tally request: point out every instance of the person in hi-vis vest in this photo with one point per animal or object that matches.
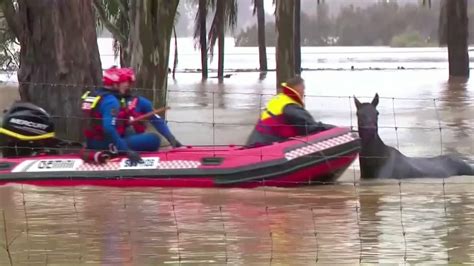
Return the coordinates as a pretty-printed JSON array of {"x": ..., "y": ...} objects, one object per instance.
[{"x": 285, "y": 116}]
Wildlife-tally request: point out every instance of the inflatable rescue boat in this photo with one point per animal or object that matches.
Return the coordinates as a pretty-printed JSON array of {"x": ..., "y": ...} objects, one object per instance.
[{"x": 313, "y": 159}]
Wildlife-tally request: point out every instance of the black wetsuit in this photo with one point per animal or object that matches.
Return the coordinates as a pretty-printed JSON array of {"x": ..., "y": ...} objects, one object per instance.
[{"x": 294, "y": 115}]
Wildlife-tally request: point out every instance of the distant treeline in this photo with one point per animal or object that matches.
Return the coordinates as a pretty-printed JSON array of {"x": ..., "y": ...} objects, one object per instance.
[{"x": 387, "y": 24}]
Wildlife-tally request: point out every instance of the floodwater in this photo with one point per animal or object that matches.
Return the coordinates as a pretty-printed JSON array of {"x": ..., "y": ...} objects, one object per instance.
[
  {"x": 327, "y": 225},
  {"x": 414, "y": 221}
]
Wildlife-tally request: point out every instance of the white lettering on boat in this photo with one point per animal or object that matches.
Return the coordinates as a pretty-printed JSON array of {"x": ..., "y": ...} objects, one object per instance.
[
  {"x": 53, "y": 165},
  {"x": 22, "y": 122},
  {"x": 147, "y": 163},
  {"x": 57, "y": 164}
]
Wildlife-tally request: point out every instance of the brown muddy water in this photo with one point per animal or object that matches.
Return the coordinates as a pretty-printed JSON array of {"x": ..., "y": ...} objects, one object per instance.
[{"x": 415, "y": 221}]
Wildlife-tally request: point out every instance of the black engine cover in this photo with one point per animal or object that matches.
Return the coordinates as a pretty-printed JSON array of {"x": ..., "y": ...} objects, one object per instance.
[{"x": 27, "y": 119}]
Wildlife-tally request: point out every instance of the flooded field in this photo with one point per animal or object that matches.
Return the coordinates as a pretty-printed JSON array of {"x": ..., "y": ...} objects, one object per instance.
[
  {"x": 421, "y": 220},
  {"x": 384, "y": 223}
]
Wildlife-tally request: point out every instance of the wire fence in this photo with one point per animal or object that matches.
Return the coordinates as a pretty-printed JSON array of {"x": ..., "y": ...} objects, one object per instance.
[
  {"x": 389, "y": 221},
  {"x": 233, "y": 227},
  {"x": 216, "y": 121},
  {"x": 85, "y": 87},
  {"x": 257, "y": 104}
]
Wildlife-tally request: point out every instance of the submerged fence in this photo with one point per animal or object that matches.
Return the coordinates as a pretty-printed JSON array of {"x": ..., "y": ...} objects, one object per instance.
[
  {"x": 208, "y": 107},
  {"x": 401, "y": 221},
  {"x": 373, "y": 224}
]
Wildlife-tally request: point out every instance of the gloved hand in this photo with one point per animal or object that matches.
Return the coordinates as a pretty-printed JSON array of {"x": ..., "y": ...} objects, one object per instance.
[
  {"x": 175, "y": 143},
  {"x": 134, "y": 157},
  {"x": 101, "y": 157},
  {"x": 98, "y": 157}
]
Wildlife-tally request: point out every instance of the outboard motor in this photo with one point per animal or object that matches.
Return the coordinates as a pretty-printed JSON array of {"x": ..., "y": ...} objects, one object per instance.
[{"x": 26, "y": 130}]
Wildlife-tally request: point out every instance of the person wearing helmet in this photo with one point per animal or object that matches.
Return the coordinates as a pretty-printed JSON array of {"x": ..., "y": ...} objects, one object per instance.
[
  {"x": 106, "y": 122},
  {"x": 285, "y": 117},
  {"x": 137, "y": 106}
]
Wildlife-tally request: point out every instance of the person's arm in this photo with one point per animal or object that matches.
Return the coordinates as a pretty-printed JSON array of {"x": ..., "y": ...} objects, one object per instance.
[
  {"x": 298, "y": 116},
  {"x": 144, "y": 107},
  {"x": 109, "y": 109},
  {"x": 158, "y": 123}
]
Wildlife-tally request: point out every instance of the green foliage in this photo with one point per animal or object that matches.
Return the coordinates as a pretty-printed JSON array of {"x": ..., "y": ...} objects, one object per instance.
[
  {"x": 209, "y": 6},
  {"x": 112, "y": 11},
  {"x": 9, "y": 53},
  {"x": 410, "y": 38},
  {"x": 114, "y": 15},
  {"x": 225, "y": 16},
  {"x": 377, "y": 24},
  {"x": 315, "y": 31},
  {"x": 249, "y": 36}
]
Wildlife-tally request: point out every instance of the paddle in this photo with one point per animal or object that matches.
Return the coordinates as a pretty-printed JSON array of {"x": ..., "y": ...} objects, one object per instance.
[{"x": 148, "y": 115}]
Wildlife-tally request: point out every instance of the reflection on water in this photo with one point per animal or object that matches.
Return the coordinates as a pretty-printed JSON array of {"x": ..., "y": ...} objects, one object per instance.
[
  {"x": 331, "y": 224},
  {"x": 456, "y": 100}
]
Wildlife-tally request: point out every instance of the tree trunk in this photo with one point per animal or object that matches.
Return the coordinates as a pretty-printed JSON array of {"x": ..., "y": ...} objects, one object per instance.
[
  {"x": 443, "y": 24},
  {"x": 152, "y": 23},
  {"x": 121, "y": 53},
  {"x": 175, "y": 62},
  {"x": 203, "y": 37},
  {"x": 220, "y": 63},
  {"x": 124, "y": 57},
  {"x": 262, "y": 46},
  {"x": 59, "y": 58},
  {"x": 298, "y": 37},
  {"x": 220, "y": 9},
  {"x": 285, "y": 52},
  {"x": 125, "y": 28},
  {"x": 457, "y": 38}
]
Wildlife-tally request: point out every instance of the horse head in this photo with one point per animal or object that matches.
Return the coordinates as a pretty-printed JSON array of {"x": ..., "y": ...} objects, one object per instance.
[{"x": 367, "y": 118}]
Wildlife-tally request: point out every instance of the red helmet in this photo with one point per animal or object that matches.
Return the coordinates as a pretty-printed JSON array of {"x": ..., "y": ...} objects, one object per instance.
[
  {"x": 111, "y": 76},
  {"x": 126, "y": 75}
]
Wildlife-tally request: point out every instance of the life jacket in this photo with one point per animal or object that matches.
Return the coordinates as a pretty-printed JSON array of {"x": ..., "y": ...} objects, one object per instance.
[
  {"x": 272, "y": 120},
  {"x": 94, "y": 129},
  {"x": 140, "y": 126}
]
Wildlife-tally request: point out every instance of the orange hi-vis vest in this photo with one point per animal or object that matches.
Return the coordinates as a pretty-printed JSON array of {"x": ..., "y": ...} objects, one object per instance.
[{"x": 272, "y": 120}]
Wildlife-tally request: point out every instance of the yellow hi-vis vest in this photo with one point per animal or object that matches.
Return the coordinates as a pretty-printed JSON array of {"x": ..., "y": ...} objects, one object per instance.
[{"x": 272, "y": 121}]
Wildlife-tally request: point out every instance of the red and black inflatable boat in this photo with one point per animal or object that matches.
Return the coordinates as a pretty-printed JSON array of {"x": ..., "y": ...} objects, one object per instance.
[{"x": 313, "y": 159}]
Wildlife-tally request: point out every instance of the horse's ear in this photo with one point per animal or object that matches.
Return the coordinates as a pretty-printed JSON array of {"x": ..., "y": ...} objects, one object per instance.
[
  {"x": 357, "y": 102},
  {"x": 375, "y": 101}
]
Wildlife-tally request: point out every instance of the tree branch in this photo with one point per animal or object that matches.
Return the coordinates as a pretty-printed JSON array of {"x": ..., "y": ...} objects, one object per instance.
[
  {"x": 107, "y": 23},
  {"x": 123, "y": 4},
  {"x": 10, "y": 16},
  {"x": 12, "y": 57}
]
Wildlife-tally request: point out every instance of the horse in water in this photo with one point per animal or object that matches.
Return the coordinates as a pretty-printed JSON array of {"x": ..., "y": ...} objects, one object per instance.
[{"x": 378, "y": 160}]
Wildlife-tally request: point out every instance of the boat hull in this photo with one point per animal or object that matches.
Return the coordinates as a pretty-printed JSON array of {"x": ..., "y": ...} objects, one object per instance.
[{"x": 314, "y": 159}]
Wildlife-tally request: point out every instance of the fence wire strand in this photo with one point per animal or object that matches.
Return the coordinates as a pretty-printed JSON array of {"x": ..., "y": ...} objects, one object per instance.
[
  {"x": 227, "y": 92},
  {"x": 444, "y": 180},
  {"x": 356, "y": 190},
  {"x": 405, "y": 257},
  {"x": 315, "y": 233},
  {"x": 178, "y": 233},
  {"x": 395, "y": 122},
  {"x": 224, "y": 232}
]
